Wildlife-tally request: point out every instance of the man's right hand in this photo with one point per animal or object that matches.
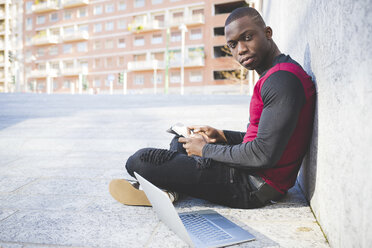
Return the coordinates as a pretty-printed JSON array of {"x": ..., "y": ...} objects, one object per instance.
[{"x": 210, "y": 134}]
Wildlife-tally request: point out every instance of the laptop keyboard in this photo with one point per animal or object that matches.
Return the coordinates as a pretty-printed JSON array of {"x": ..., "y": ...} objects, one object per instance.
[{"x": 203, "y": 229}]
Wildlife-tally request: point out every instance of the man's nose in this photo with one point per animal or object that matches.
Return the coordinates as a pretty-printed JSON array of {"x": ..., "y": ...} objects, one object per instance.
[{"x": 242, "y": 47}]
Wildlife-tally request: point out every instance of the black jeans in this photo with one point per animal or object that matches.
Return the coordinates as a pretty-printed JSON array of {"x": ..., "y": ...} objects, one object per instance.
[{"x": 197, "y": 177}]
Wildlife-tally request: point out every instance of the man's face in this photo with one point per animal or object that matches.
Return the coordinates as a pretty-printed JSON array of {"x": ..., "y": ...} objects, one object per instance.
[{"x": 248, "y": 42}]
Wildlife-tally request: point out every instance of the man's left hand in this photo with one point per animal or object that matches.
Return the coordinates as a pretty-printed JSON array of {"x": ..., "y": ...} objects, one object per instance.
[{"x": 194, "y": 144}]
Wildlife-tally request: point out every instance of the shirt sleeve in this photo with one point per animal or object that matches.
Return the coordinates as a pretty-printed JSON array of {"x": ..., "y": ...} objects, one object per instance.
[
  {"x": 233, "y": 137},
  {"x": 283, "y": 97}
]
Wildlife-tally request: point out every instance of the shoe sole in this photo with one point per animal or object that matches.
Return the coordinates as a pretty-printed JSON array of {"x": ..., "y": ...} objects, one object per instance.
[{"x": 124, "y": 192}]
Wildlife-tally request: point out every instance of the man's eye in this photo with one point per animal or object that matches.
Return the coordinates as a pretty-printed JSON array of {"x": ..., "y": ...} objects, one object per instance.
[
  {"x": 232, "y": 44},
  {"x": 247, "y": 37}
]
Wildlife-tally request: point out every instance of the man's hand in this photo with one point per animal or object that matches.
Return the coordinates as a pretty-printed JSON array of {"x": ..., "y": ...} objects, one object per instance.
[
  {"x": 210, "y": 134},
  {"x": 194, "y": 144}
]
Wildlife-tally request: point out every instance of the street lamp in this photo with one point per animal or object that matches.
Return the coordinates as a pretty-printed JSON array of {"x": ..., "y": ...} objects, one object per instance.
[{"x": 183, "y": 29}]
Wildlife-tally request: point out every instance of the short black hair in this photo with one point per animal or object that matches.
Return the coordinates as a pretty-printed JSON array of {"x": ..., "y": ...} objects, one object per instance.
[{"x": 245, "y": 11}]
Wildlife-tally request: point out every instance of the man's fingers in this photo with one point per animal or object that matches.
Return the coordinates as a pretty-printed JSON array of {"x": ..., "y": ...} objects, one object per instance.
[{"x": 182, "y": 140}]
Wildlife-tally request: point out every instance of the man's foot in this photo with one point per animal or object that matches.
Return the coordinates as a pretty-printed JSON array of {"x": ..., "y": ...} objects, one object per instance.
[{"x": 129, "y": 193}]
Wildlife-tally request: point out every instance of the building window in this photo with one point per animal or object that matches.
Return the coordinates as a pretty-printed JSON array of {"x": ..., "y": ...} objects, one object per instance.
[
  {"x": 109, "y": 26},
  {"x": 121, "y": 61},
  {"x": 29, "y": 7},
  {"x": 139, "y": 79},
  {"x": 55, "y": 65},
  {"x": 41, "y": 86},
  {"x": 122, "y": 24},
  {"x": 219, "y": 31},
  {"x": 175, "y": 77},
  {"x": 159, "y": 79},
  {"x": 221, "y": 51},
  {"x": 83, "y": 28},
  {"x": 157, "y": 1},
  {"x": 55, "y": 31},
  {"x": 66, "y": 84},
  {"x": 121, "y": 43},
  {"x": 176, "y": 36},
  {"x": 97, "y": 10},
  {"x": 53, "y": 17},
  {"x": 55, "y": 85},
  {"x": 97, "y": 27},
  {"x": 67, "y": 15},
  {"x": 96, "y": 83},
  {"x": 157, "y": 39},
  {"x": 68, "y": 30},
  {"x": 67, "y": 48},
  {"x": 53, "y": 50},
  {"x": 109, "y": 44},
  {"x": 109, "y": 62},
  {"x": 177, "y": 17},
  {"x": 40, "y": 52},
  {"x": 109, "y": 8},
  {"x": 28, "y": 23},
  {"x": 196, "y": 76},
  {"x": 196, "y": 34},
  {"x": 82, "y": 12},
  {"x": 82, "y": 47},
  {"x": 40, "y": 19},
  {"x": 139, "y": 3},
  {"x": 97, "y": 45},
  {"x": 122, "y": 5},
  {"x": 139, "y": 41},
  {"x": 227, "y": 74},
  {"x": 225, "y": 8},
  {"x": 97, "y": 63}
]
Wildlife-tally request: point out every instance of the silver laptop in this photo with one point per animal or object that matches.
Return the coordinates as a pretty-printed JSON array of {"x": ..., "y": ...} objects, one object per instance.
[{"x": 204, "y": 228}]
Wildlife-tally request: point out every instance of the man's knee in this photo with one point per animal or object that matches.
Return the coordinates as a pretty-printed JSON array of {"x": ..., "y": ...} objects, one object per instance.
[
  {"x": 134, "y": 162},
  {"x": 145, "y": 157}
]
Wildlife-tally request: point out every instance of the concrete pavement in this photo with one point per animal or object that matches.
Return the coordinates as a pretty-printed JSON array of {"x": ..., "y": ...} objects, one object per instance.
[{"x": 59, "y": 152}]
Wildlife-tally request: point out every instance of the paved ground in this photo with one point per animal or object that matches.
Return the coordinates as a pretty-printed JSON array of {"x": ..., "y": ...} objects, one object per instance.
[{"x": 58, "y": 153}]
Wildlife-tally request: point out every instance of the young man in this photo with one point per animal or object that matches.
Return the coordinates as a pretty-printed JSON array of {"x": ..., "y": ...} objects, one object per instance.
[{"x": 241, "y": 170}]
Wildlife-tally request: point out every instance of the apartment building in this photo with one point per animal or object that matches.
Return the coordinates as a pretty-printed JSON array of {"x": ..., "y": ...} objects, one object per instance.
[
  {"x": 135, "y": 46},
  {"x": 10, "y": 45}
]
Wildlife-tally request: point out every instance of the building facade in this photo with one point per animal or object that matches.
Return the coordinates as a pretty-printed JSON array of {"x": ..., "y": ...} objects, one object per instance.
[
  {"x": 11, "y": 44},
  {"x": 129, "y": 46}
]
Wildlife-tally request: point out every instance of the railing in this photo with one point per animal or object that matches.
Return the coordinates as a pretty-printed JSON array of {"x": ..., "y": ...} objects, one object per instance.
[
  {"x": 189, "y": 62},
  {"x": 45, "y": 6},
  {"x": 74, "y": 3},
  {"x": 189, "y": 20},
  {"x": 44, "y": 39},
  {"x": 145, "y": 26},
  {"x": 74, "y": 71},
  {"x": 145, "y": 65},
  {"x": 76, "y": 35},
  {"x": 44, "y": 73}
]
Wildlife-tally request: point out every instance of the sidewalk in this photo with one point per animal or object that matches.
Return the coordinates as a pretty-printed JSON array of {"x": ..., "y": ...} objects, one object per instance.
[{"x": 58, "y": 154}]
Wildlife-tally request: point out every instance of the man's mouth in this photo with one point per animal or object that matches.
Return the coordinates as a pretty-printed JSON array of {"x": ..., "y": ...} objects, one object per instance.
[{"x": 247, "y": 61}]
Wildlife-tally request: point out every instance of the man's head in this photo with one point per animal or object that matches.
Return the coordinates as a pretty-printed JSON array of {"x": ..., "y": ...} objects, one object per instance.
[{"x": 248, "y": 38}]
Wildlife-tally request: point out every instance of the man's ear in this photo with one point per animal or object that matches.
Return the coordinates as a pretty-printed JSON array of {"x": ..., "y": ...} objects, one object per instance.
[{"x": 268, "y": 33}]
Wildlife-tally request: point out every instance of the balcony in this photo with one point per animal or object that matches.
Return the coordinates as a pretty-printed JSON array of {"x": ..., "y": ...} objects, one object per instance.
[
  {"x": 145, "y": 26},
  {"x": 146, "y": 65},
  {"x": 2, "y": 14},
  {"x": 74, "y": 3},
  {"x": 46, "y": 39},
  {"x": 188, "y": 21},
  {"x": 44, "y": 73},
  {"x": 189, "y": 62},
  {"x": 74, "y": 71},
  {"x": 76, "y": 36},
  {"x": 46, "y": 6}
]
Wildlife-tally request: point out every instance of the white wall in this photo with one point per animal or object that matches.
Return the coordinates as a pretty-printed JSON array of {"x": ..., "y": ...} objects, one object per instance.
[{"x": 333, "y": 41}]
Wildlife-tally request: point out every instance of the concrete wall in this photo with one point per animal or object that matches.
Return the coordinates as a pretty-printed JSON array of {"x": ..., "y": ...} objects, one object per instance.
[{"x": 332, "y": 40}]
